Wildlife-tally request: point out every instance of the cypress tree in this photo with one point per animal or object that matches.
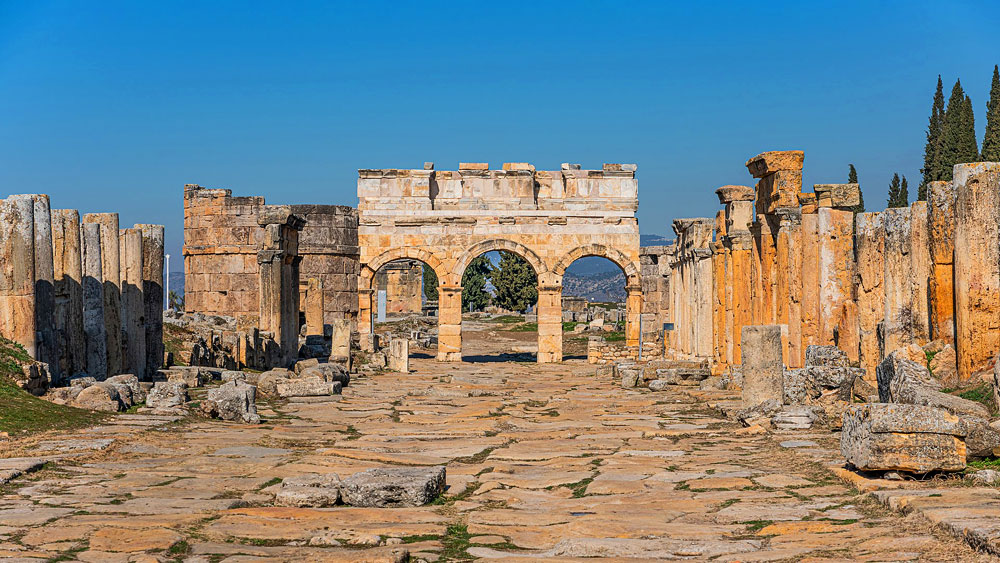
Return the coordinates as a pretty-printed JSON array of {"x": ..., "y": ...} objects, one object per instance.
[
  {"x": 904, "y": 194},
  {"x": 991, "y": 140},
  {"x": 474, "y": 295},
  {"x": 852, "y": 178},
  {"x": 893, "y": 191},
  {"x": 958, "y": 138},
  {"x": 515, "y": 283},
  {"x": 430, "y": 283},
  {"x": 932, "y": 150},
  {"x": 970, "y": 148}
]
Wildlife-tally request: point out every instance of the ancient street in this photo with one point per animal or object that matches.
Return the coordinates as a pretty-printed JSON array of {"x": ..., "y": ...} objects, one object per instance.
[{"x": 542, "y": 461}]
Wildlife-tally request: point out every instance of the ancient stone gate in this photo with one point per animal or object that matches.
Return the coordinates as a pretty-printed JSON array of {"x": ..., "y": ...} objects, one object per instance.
[{"x": 550, "y": 218}]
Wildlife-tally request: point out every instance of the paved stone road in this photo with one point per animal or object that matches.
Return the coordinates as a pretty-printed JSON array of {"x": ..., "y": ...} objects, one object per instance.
[{"x": 543, "y": 461}]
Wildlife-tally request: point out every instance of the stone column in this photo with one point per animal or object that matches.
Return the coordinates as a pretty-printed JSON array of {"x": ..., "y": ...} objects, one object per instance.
[
  {"x": 449, "y": 323},
  {"x": 739, "y": 246},
  {"x": 278, "y": 261},
  {"x": 152, "y": 294},
  {"x": 836, "y": 259},
  {"x": 721, "y": 357},
  {"x": 111, "y": 268},
  {"x": 633, "y": 310},
  {"x": 94, "y": 329},
  {"x": 365, "y": 323},
  {"x": 67, "y": 262},
  {"x": 870, "y": 249},
  {"x": 45, "y": 294},
  {"x": 768, "y": 254},
  {"x": 17, "y": 281},
  {"x": 920, "y": 272},
  {"x": 897, "y": 322},
  {"x": 549, "y": 323},
  {"x": 810, "y": 307},
  {"x": 941, "y": 229},
  {"x": 977, "y": 266},
  {"x": 763, "y": 378},
  {"x": 790, "y": 283},
  {"x": 133, "y": 304}
]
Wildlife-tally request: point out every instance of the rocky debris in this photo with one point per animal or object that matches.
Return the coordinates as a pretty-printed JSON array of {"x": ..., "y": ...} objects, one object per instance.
[
  {"x": 100, "y": 397},
  {"x": 34, "y": 378},
  {"x": 684, "y": 376},
  {"x": 167, "y": 394},
  {"x": 384, "y": 487},
  {"x": 897, "y": 437},
  {"x": 232, "y": 401},
  {"x": 795, "y": 418},
  {"x": 233, "y": 375},
  {"x": 659, "y": 385},
  {"x": 63, "y": 395},
  {"x": 607, "y": 371},
  {"x": 630, "y": 373},
  {"x": 267, "y": 382},
  {"x": 82, "y": 381},
  {"x": 305, "y": 387},
  {"x": 816, "y": 383},
  {"x": 193, "y": 376},
  {"x": 309, "y": 491},
  {"x": 303, "y": 365},
  {"x": 826, "y": 356},
  {"x": 135, "y": 391},
  {"x": 897, "y": 371},
  {"x": 328, "y": 372},
  {"x": 760, "y": 413},
  {"x": 944, "y": 365},
  {"x": 66, "y": 446},
  {"x": 732, "y": 378},
  {"x": 985, "y": 477}
]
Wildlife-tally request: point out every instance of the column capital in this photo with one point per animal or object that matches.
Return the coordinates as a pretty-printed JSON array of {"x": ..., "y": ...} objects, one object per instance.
[
  {"x": 450, "y": 288},
  {"x": 269, "y": 256},
  {"x": 633, "y": 289},
  {"x": 551, "y": 287}
]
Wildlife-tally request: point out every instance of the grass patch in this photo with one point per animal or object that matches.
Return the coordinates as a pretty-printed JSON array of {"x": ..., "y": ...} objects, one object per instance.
[
  {"x": 524, "y": 327},
  {"x": 614, "y": 336},
  {"x": 993, "y": 463},
  {"x": 757, "y": 525},
  {"x": 456, "y": 542},
  {"x": 570, "y": 326},
  {"x": 507, "y": 319},
  {"x": 269, "y": 482},
  {"x": 173, "y": 340},
  {"x": 981, "y": 394},
  {"x": 180, "y": 548},
  {"x": 22, "y": 413},
  {"x": 580, "y": 487}
]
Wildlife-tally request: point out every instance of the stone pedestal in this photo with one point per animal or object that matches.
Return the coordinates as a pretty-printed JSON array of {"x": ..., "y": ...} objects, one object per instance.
[
  {"x": 549, "y": 323},
  {"x": 314, "y": 306},
  {"x": 111, "y": 270},
  {"x": 763, "y": 378},
  {"x": 449, "y": 323},
  {"x": 17, "y": 284},
  {"x": 67, "y": 261},
  {"x": 340, "y": 342},
  {"x": 94, "y": 329},
  {"x": 399, "y": 355},
  {"x": 977, "y": 266}
]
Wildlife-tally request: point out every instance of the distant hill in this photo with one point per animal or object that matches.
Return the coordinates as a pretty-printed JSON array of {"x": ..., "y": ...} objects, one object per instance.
[
  {"x": 653, "y": 240},
  {"x": 600, "y": 286},
  {"x": 177, "y": 282}
]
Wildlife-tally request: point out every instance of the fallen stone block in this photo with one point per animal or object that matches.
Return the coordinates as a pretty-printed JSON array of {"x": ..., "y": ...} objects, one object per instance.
[
  {"x": 232, "y": 401},
  {"x": 233, "y": 375},
  {"x": 309, "y": 491},
  {"x": 33, "y": 378},
  {"x": 631, "y": 375},
  {"x": 138, "y": 395},
  {"x": 384, "y": 487},
  {"x": 63, "y": 395},
  {"x": 609, "y": 371},
  {"x": 826, "y": 356},
  {"x": 100, "y": 397},
  {"x": 897, "y": 437},
  {"x": 167, "y": 394},
  {"x": 306, "y": 387},
  {"x": 897, "y": 370},
  {"x": 659, "y": 385},
  {"x": 303, "y": 365},
  {"x": 329, "y": 372},
  {"x": 794, "y": 418},
  {"x": 814, "y": 383}
]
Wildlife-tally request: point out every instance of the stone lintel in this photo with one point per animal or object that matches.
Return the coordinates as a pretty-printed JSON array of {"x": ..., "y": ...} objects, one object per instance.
[
  {"x": 473, "y": 165},
  {"x": 280, "y": 215},
  {"x": 807, "y": 203},
  {"x": 775, "y": 161},
  {"x": 508, "y": 166},
  {"x": 729, "y": 194},
  {"x": 837, "y": 195}
]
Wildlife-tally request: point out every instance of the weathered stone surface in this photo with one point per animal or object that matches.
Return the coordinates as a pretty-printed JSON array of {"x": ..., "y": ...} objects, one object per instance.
[
  {"x": 100, "y": 397},
  {"x": 918, "y": 439},
  {"x": 944, "y": 366},
  {"x": 167, "y": 394},
  {"x": 869, "y": 237},
  {"x": 17, "y": 285},
  {"x": 811, "y": 383},
  {"x": 385, "y": 487},
  {"x": 67, "y": 260},
  {"x": 824, "y": 355},
  {"x": 306, "y": 387},
  {"x": 762, "y": 366},
  {"x": 309, "y": 491},
  {"x": 896, "y": 371},
  {"x": 399, "y": 354},
  {"x": 110, "y": 253},
  {"x": 95, "y": 339},
  {"x": 132, "y": 382},
  {"x": 794, "y": 418},
  {"x": 232, "y": 401},
  {"x": 631, "y": 375},
  {"x": 329, "y": 372}
]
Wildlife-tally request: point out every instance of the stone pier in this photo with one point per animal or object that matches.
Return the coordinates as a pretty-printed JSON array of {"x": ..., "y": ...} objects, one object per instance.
[
  {"x": 897, "y": 324},
  {"x": 449, "y": 323},
  {"x": 977, "y": 266},
  {"x": 941, "y": 235},
  {"x": 45, "y": 295},
  {"x": 836, "y": 265},
  {"x": 133, "y": 313},
  {"x": 810, "y": 272},
  {"x": 550, "y": 323},
  {"x": 68, "y": 275},
  {"x": 738, "y": 245},
  {"x": 762, "y": 365},
  {"x": 694, "y": 296},
  {"x": 152, "y": 293},
  {"x": 870, "y": 248},
  {"x": 111, "y": 268},
  {"x": 95, "y": 339},
  {"x": 278, "y": 262},
  {"x": 17, "y": 284},
  {"x": 920, "y": 272}
]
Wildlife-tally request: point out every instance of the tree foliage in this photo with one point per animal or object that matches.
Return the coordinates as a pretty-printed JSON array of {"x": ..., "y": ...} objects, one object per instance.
[
  {"x": 515, "y": 283},
  {"x": 932, "y": 150},
  {"x": 474, "y": 295},
  {"x": 991, "y": 140},
  {"x": 852, "y": 178},
  {"x": 898, "y": 196},
  {"x": 958, "y": 136},
  {"x": 430, "y": 283}
]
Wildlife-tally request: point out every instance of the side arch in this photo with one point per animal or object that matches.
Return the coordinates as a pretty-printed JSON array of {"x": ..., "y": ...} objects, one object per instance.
[
  {"x": 628, "y": 266},
  {"x": 499, "y": 244},
  {"x": 368, "y": 270}
]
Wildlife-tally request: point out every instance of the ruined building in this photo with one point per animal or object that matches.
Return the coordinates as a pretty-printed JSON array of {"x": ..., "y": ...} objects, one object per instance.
[
  {"x": 84, "y": 297},
  {"x": 402, "y": 282},
  {"x": 869, "y": 284}
]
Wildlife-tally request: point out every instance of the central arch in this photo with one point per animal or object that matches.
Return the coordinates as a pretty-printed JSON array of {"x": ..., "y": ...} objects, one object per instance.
[{"x": 485, "y": 246}]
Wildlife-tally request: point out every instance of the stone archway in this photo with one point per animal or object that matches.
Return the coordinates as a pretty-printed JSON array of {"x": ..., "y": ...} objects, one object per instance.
[{"x": 446, "y": 218}]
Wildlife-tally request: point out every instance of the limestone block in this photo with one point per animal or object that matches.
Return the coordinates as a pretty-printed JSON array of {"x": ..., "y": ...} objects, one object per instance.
[
  {"x": 762, "y": 366},
  {"x": 897, "y": 371},
  {"x": 232, "y": 401},
  {"x": 34, "y": 378},
  {"x": 391, "y": 487},
  {"x": 869, "y": 289},
  {"x": 100, "y": 397},
  {"x": 133, "y": 304},
  {"x": 921, "y": 270},
  {"x": 836, "y": 256},
  {"x": 17, "y": 284},
  {"x": 167, "y": 394},
  {"x": 306, "y": 387},
  {"x": 67, "y": 260},
  {"x": 309, "y": 491},
  {"x": 830, "y": 356},
  {"x": 399, "y": 355},
  {"x": 894, "y": 437},
  {"x": 898, "y": 319},
  {"x": 136, "y": 391},
  {"x": 941, "y": 235},
  {"x": 837, "y": 195},
  {"x": 152, "y": 294},
  {"x": 47, "y": 340}
]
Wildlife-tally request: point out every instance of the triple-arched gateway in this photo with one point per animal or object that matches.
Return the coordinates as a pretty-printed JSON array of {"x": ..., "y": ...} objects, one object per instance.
[{"x": 550, "y": 218}]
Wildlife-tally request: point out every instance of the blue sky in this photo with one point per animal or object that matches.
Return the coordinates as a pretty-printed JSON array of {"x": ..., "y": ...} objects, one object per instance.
[{"x": 114, "y": 106}]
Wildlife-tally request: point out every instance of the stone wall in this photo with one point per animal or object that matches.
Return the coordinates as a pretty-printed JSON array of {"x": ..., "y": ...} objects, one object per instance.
[
  {"x": 82, "y": 296},
  {"x": 402, "y": 282}
]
